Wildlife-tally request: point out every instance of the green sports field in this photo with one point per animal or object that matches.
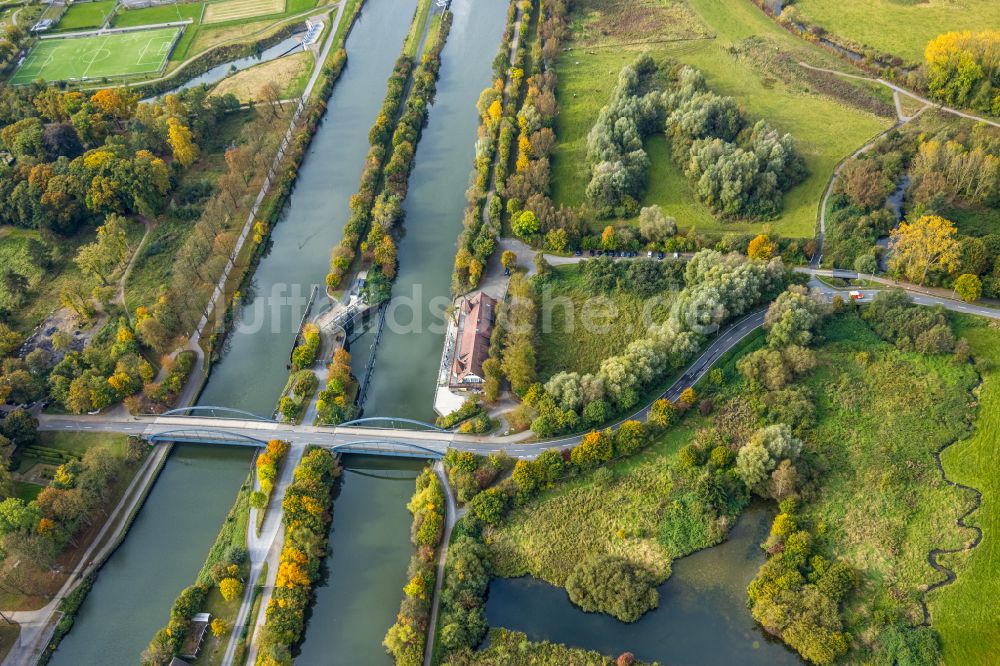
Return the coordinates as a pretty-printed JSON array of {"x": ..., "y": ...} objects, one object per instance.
[{"x": 109, "y": 55}]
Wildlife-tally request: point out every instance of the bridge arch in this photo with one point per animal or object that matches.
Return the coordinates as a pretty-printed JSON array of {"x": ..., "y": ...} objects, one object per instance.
[
  {"x": 388, "y": 447},
  {"x": 390, "y": 420},
  {"x": 205, "y": 436},
  {"x": 240, "y": 415}
]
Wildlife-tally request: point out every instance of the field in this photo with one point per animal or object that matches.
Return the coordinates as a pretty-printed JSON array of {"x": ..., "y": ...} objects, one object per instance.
[
  {"x": 882, "y": 503},
  {"x": 83, "y": 15},
  {"x": 128, "y": 18},
  {"x": 901, "y": 28},
  {"x": 115, "y": 54},
  {"x": 727, "y": 40},
  {"x": 290, "y": 72},
  {"x": 235, "y": 10},
  {"x": 964, "y": 612},
  {"x": 614, "y": 322}
]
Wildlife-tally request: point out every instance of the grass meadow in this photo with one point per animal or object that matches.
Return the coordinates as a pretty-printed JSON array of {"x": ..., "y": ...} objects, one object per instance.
[
  {"x": 583, "y": 328},
  {"x": 964, "y": 612},
  {"x": 637, "y": 514},
  {"x": 82, "y": 15},
  {"x": 290, "y": 72},
  {"x": 881, "y": 504},
  {"x": 899, "y": 27},
  {"x": 706, "y": 34}
]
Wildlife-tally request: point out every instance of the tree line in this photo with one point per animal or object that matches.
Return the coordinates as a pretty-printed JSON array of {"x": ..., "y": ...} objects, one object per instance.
[
  {"x": 307, "y": 516},
  {"x": 407, "y": 638},
  {"x": 521, "y": 135},
  {"x": 718, "y": 288},
  {"x": 376, "y": 210}
]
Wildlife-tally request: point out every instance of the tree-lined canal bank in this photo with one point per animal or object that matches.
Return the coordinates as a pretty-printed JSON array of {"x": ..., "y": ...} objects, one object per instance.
[
  {"x": 366, "y": 567},
  {"x": 161, "y": 554}
]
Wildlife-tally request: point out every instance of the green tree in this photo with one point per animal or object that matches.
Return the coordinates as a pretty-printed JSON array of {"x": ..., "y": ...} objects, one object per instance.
[
  {"x": 968, "y": 287},
  {"x": 489, "y": 506},
  {"x": 526, "y": 224},
  {"x": 629, "y": 438},
  {"x": 613, "y": 585},
  {"x": 20, "y": 427}
]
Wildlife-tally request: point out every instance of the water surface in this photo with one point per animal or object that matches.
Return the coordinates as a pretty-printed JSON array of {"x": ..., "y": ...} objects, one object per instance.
[{"x": 702, "y": 617}]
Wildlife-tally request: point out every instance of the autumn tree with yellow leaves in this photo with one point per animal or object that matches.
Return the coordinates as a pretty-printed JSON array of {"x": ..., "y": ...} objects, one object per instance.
[
  {"x": 919, "y": 247},
  {"x": 181, "y": 142},
  {"x": 963, "y": 68}
]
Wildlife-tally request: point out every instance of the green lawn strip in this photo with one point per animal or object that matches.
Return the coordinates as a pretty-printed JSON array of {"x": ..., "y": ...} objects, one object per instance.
[
  {"x": 26, "y": 491},
  {"x": 963, "y": 611},
  {"x": 8, "y": 636},
  {"x": 296, "y": 86},
  {"x": 579, "y": 333},
  {"x": 825, "y": 130},
  {"x": 898, "y": 27},
  {"x": 412, "y": 42},
  {"x": 83, "y": 15},
  {"x": 77, "y": 442}
]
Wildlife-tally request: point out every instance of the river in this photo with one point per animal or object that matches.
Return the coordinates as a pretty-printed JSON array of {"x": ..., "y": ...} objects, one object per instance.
[
  {"x": 702, "y": 617},
  {"x": 408, "y": 356},
  {"x": 173, "y": 531}
]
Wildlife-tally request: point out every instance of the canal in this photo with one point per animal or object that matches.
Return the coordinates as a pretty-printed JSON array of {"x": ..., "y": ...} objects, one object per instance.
[
  {"x": 253, "y": 369},
  {"x": 409, "y": 353},
  {"x": 173, "y": 531},
  {"x": 161, "y": 555},
  {"x": 366, "y": 569},
  {"x": 702, "y": 617}
]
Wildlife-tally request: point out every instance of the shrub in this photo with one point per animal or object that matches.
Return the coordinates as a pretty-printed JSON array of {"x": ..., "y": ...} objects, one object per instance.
[{"x": 613, "y": 585}]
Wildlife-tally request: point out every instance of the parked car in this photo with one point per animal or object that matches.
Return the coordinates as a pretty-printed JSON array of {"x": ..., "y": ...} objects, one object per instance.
[
  {"x": 660, "y": 256},
  {"x": 579, "y": 252}
]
